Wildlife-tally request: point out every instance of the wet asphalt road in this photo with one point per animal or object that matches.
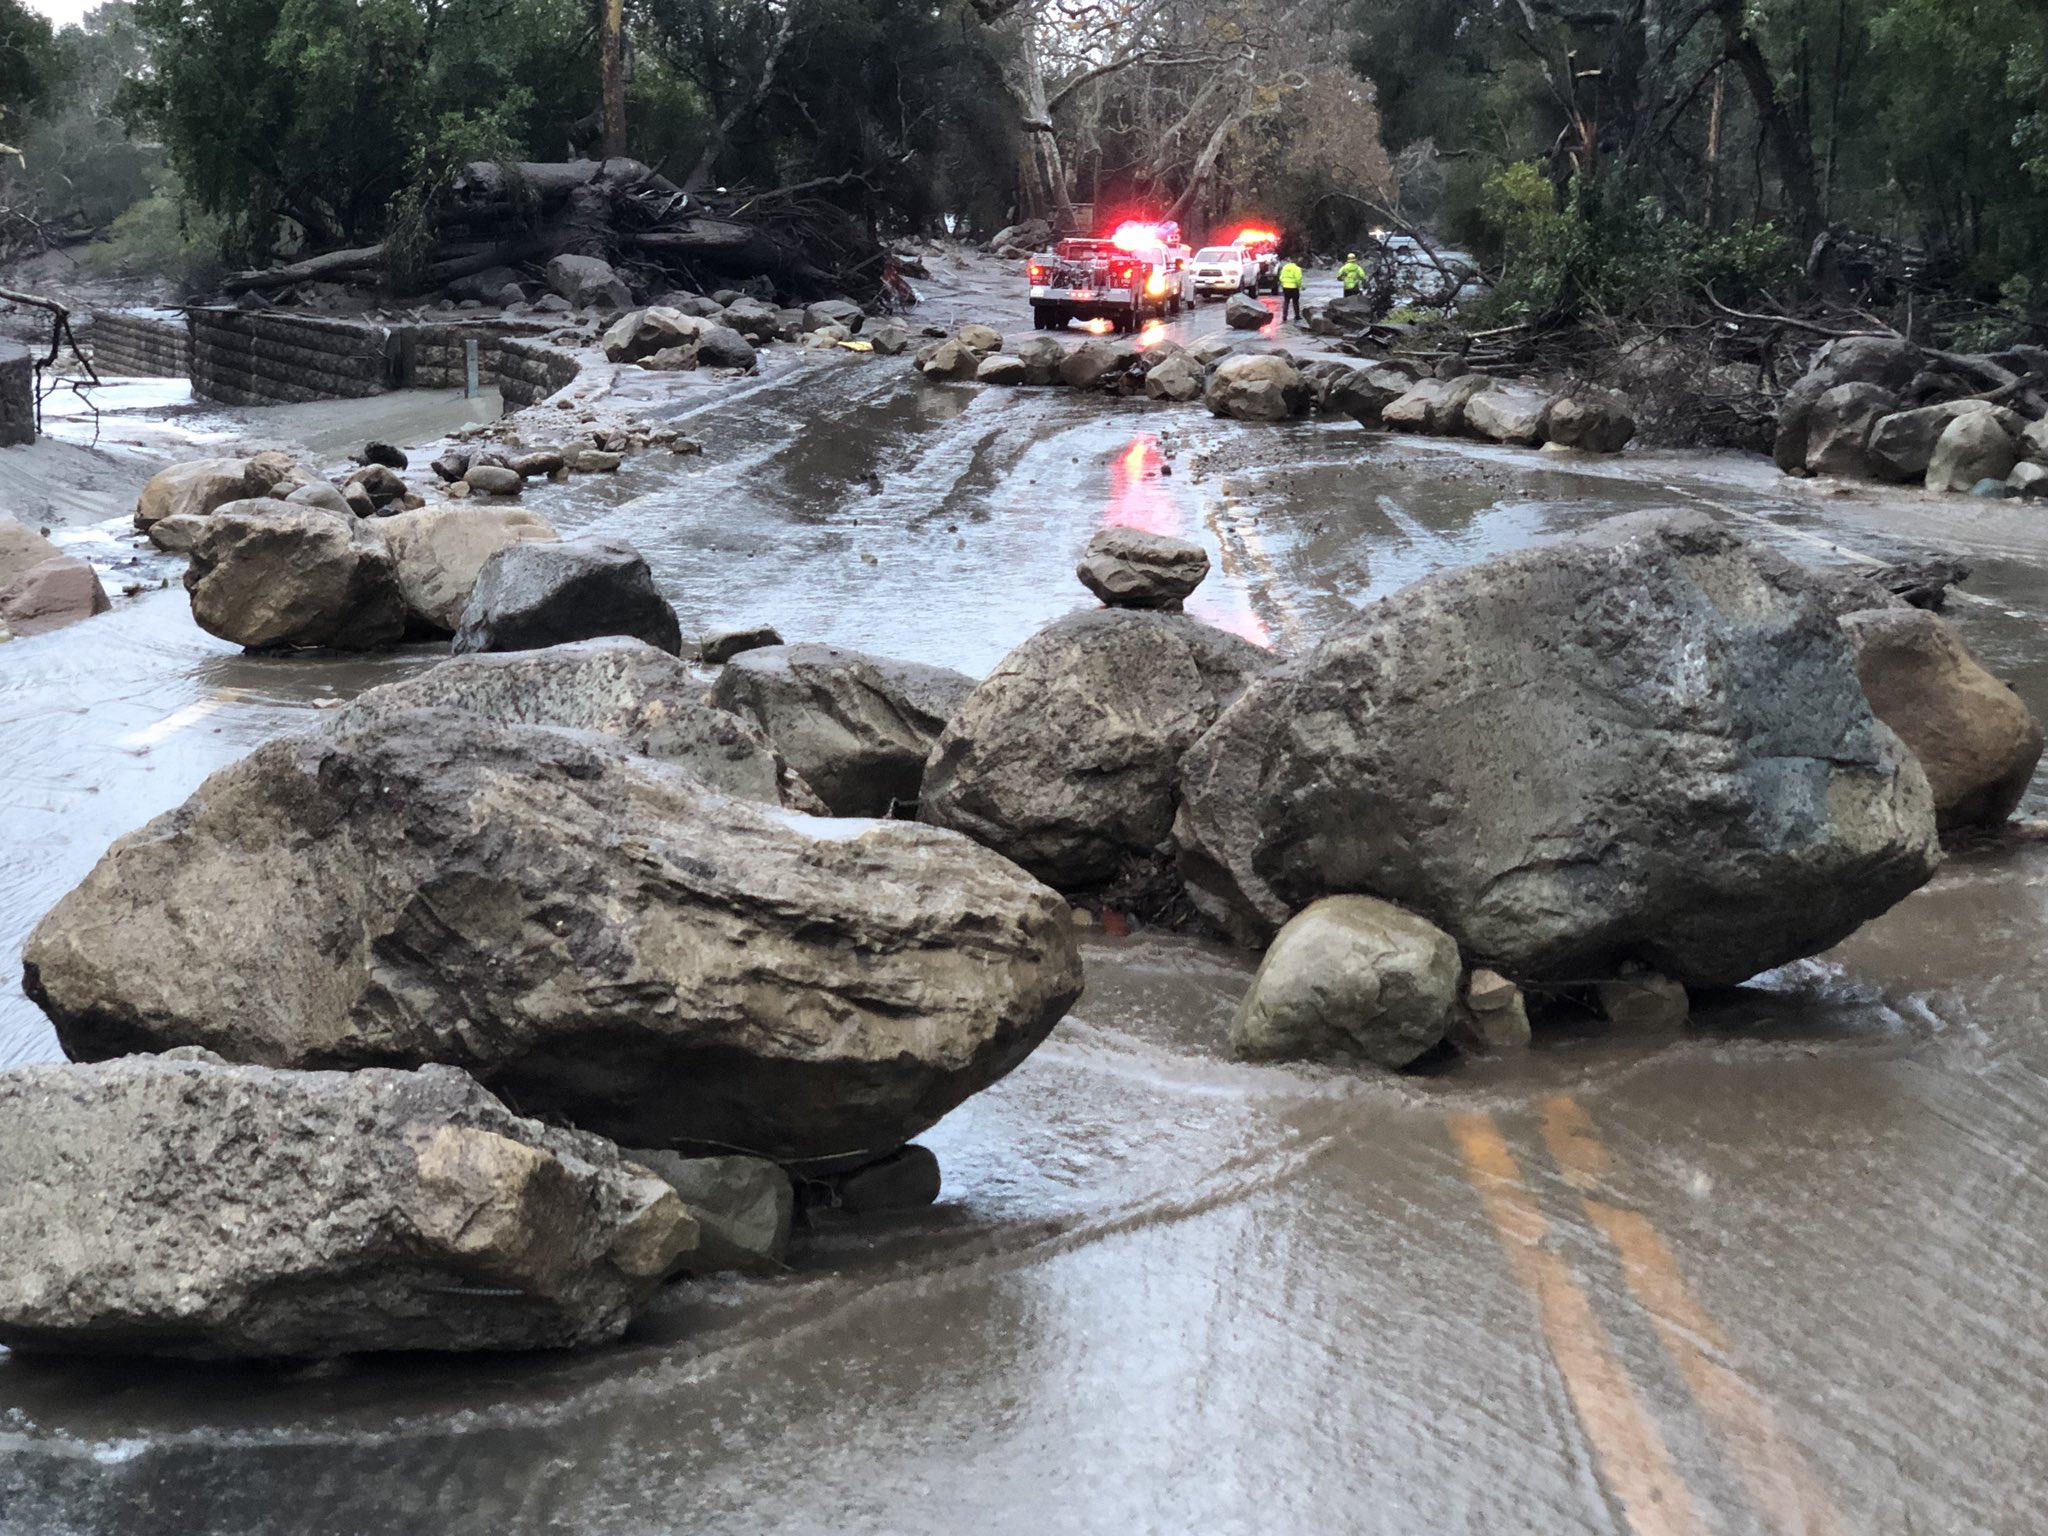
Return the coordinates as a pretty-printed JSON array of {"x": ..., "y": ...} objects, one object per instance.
[{"x": 1778, "y": 1272}]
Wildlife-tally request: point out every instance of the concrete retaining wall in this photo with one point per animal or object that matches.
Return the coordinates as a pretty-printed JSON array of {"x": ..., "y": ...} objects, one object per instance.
[
  {"x": 144, "y": 343},
  {"x": 240, "y": 357},
  {"x": 17, "y": 395}
]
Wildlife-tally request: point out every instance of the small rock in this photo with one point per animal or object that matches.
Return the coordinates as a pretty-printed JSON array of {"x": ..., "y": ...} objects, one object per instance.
[
  {"x": 1989, "y": 489},
  {"x": 452, "y": 466},
  {"x": 720, "y": 645},
  {"x": 1000, "y": 368},
  {"x": 905, "y": 1179},
  {"x": 2028, "y": 478},
  {"x": 743, "y": 1207},
  {"x": 591, "y": 461},
  {"x": 493, "y": 480},
  {"x": 387, "y": 454},
  {"x": 1972, "y": 448},
  {"x": 534, "y": 466},
  {"x": 981, "y": 340},
  {"x": 1643, "y": 1000},
  {"x": 1129, "y": 568},
  {"x": 1495, "y": 1017}
]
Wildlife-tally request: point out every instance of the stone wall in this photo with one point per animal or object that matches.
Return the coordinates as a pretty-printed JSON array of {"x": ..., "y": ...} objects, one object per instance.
[
  {"x": 241, "y": 357},
  {"x": 140, "y": 343},
  {"x": 17, "y": 395}
]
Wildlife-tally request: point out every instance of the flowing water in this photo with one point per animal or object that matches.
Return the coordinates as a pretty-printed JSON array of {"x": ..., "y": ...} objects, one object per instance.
[{"x": 1780, "y": 1271}]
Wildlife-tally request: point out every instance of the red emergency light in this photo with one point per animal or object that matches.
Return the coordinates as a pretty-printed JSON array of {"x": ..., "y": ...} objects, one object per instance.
[
  {"x": 1255, "y": 237},
  {"x": 1133, "y": 236}
]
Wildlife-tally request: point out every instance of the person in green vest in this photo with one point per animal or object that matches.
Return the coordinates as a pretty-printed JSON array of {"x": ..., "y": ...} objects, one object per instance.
[
  {"x": 1290, "y": 289},
  {"x": 1351, "y": 275}
]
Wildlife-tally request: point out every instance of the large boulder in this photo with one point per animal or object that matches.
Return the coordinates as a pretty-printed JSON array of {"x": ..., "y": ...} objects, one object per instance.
[
  {"x": 950, "y": 361},
  {"x": 591, "y": 933},
  {"x": 201, "y": 486},
  {"x": 1888, "y": 362},
  {"x": 1065, "y": 757},
  {"x": 645, "y": 332},
  {"x": 1838, "y": 431},
  {"x": 59, "y": 591},
  {"x": 1351, "y": 976},
  {"x": 1242, "y": 312},
  {"x": 1413, "y": 409},
  {"x": 1363, "y": 391},
  {"x": 1647, "y": 743},
  {"x": 625, "y": 689},
  {"x": 723, "y": 347},
  {"x": 1257, "y": 387},
  {"x": 1902, "y": 444},
  {"x": 856, "y": 728},
  {"x": 1972, "y": 734},
  {"x": 1588, "y": 424},
  {"x": 1089, "y": 364},
  {"x": 1130, "y": 568},
  {"x": 176, "y": 1205},
  {"x": 1973, "y": 447},
  {"x": 755, "y": 319},
  {"x": 588, "y": 282},
  {"x": 266, "y": 574},
  {"x": 22, "y": 549},
  {"x": 1041, "y": 356},
  {"x": 834, "y": 312},
  {"x": 528, "y": 595},
  {"x": 440, "y": 551},
  {"x": 1508, "y": 413},
  {"x": 1176, "y": 378}
]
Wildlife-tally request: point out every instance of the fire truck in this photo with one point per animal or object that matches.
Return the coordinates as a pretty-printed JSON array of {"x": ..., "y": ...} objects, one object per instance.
[{"x": 1139, "y": 273}]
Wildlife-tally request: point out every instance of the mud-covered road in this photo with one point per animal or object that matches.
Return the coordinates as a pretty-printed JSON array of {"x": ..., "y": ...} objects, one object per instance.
[{"x": 1778, "y": 1273}]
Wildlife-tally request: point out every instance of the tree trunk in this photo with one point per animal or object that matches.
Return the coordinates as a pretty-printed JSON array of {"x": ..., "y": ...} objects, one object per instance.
[
  {"x": 1791, "y": 150},
  {"x": 614, "y": 79}
]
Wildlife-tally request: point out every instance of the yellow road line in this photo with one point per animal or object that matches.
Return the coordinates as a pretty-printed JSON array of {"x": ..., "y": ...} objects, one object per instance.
[
  {"x": 1780, "y": 1481},
  {"x": 1631, "y": 1455},
  {"x": 178, "y": 719}
]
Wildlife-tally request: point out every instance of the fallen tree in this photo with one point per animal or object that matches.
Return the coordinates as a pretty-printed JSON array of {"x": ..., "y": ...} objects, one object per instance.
[{"x": 512, "y": 213}]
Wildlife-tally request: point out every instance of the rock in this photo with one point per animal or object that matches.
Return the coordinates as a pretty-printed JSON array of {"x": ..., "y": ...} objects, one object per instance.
[
  {"x": 856, "y": 728},
  {"x": 494, "y": 480},
  {"x": 1027, "y": 238},
  {"x": 949, "y": 361},
  {"x": 381, "y": 485},
  {"x": 752, "y": 318},
  {"x": 439, "y": 552},
  {"x": 703, "y": 307},
  {"x": 720, "y": 645},
  {"x": 723, "y": 347},
  {"x": 1508, "y": 413},
  {"x": 1494, "y": 1019},
  {"x": 1972, "y": 447},
  {"x": 1976, "y": 740},
  {"x": 22, "y": 549},
  {"x": 625, "y": 689},
  {"x": 1256, "y": 387},
  {"x": 1214, "y": 347},
  {"x": 322, "y": 494},
  {"x": 1988, "y": 489},
  {"x": 1041, "y": 356},
  {"x": 1887, "y": 361},
  {"x": 835, "y": 312},
  {"x": 487, "y": 284},
  {"x": 1000, "y": 368},
  {"x": 891, "y": 338},
  {"x": 528, "y": 595},
  {"x": 1918, "y": 583},
  {"x": 826, "y": 337},
  {"x": 1838, "y": 431},
  {"x": 2028, "y": 478},
  {"x": 200, "y": 486},
  {"x": 452, "y": 465},
  {"x": 1178, "y": 378},
  {"x": 591, "y": 461},
  {"x": 1411, "y": 411},
  {"x": 387, "y": 454},
  {"x": 2033, "y": 442},
  {"x": 1590, "y": 425},
  {"x": 1242, "y": 312},
  {"x": 180, "y": 1206},
  {"x": 1795, "y": 415},
  {"x": 593, "y": 934},
  {"x": 1129, "y": 568},
  {"x": 644, "y": 333},
  {"x": 61, "y": 590},
  {"x": 586, "y": 282},
  {"x": 1902, "y": 443},
  {"x": 552, "y": 304},
  {"x": 538, "y": 465},
  {"x": 267, "y": 574},
  {"x": 1643, "y": 1000},
  {"x": 904, "y": 1180},
  {"x": 1065, "y": 757},
  {"x": 1447, "y": 410},
  {"x": 981, "y": 340},
  {"x": 743, "y": 1207},
  {"x": 1364, "y": 393},
  {"x": 1645, "y": 743},
  {"x": 1350, "y": 975},
  {"x": 1088, "y": 364}
]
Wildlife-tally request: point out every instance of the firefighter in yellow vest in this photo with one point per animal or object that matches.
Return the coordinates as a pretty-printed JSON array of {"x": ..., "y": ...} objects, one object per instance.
[
  {"x": 1351, "y": 275},
  {"x": 1290, "y": 289}
]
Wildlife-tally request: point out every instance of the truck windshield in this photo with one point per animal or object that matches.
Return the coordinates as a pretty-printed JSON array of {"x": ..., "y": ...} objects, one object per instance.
[{"x": 1216, "y": 253}]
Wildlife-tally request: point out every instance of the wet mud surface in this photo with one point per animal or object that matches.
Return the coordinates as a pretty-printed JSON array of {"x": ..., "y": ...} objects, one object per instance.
[{"x": 1777, "y": 1272}]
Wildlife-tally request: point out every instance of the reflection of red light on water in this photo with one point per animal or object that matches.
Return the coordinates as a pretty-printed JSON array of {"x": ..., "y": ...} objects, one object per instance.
[
  {"x": 1098, "y": 327},
  {"x": 1140, "y": 498},
  {"x": 1153, "y": 334}
]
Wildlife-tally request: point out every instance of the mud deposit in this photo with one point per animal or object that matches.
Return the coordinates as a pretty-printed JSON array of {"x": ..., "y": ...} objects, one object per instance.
[{"x": 1777, "y": 1273}]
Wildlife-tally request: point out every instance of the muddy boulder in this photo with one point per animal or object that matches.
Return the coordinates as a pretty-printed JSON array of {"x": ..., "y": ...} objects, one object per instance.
[
  {"x": 1902, "y": 443},
  {"x": 1178, "y": 378},
  {"x": 267, "y": 574},
  {"x": 1839, "y": 428},
  {"x": 1065, "y": 758},
  {"x": 1364, "y": 391},
  {"x": 1041, "y": 356},
  {"x": 1130, "y": 568},
  {"x": 1257, "y": 387},
  {"x": 1350, "y": 976},
  {"x": 950, "y": 361},
  {"x": 177, "y": 1205},
  {"x": 1974, "y": 446},
  {"x": 1508, "y": 413},
  {"x": 199, "y": 487},
  {"x": 1589, "y": 424},
  {"x": 834, "y": 312},
  {"x": 625, "y": 689},
  {"x": 51, "y": 594},
  {"x": 587, "y": 282},
  {"x": 856, "y": 728},
  {"x": 589, "y": 932},
  {"x": 1242, "y": 312},
  {"x": 1644, "y": 744},
  {"x": 530, "y": 595},
  {"x": 646, "y": 332},
  {"x": 1976, "y": 739},
  {"x": 743, "y": 1206}
]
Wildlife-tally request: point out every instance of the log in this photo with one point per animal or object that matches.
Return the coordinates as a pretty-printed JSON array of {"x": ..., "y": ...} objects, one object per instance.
[{"x": 366, "y": 258}]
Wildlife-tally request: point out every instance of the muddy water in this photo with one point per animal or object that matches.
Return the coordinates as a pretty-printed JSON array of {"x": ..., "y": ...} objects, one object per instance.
[{"x": 1777, "y": 1272}]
